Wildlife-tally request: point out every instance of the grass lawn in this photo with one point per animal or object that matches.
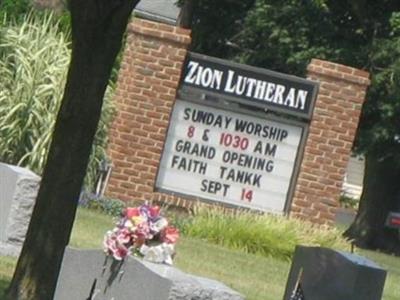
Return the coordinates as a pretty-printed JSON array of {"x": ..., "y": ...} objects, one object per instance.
[{"x": 256, "y": 277}]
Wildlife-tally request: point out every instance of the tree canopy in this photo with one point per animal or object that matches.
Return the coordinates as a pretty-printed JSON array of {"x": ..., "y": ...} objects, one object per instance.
[{"x": 285, "y": 35}]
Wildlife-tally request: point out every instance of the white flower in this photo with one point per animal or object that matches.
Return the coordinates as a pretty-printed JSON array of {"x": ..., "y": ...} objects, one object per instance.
[
  {"x": 159, "y": 225},
  {"x": 158, "y": 254}
]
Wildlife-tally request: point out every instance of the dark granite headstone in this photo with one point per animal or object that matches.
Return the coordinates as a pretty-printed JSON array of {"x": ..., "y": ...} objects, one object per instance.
[
  {"x": 89, "y": 275},
  {"x": 334, "y": 275}
]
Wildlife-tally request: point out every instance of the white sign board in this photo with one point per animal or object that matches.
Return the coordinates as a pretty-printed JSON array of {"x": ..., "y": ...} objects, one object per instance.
[{"x": 228, "y": 157}]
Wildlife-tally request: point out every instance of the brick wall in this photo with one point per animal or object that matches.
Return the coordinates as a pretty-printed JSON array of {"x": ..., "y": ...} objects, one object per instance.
[
  {"x": 145, "y": 94},
  {"x": 147, "y": 83},
  {"x": 332, "y": 131}
]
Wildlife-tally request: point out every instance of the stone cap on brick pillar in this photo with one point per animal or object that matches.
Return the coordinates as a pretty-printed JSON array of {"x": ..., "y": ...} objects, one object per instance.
[
  {"x": 160, "y": 31},
  {"x": 163, "y": 11},
  {"x": 330, "y": 69}
]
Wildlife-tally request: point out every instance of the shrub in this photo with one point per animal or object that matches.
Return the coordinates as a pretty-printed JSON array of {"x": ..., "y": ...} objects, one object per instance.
[
  {"x": 348, "y": 202},
  {"x": 262, "y": 234},
  {"x": 112, "y": 207},
  {"x": 14, "y": 8}
]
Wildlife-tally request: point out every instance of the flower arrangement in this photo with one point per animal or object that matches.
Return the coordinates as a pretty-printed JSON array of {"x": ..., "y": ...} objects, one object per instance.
[{"x": 142, "y": 231}]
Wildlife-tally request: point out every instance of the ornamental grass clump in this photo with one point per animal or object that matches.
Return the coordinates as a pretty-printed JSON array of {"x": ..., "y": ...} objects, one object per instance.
[
  {"x": 34, "y": 60},
  {"x": 262, "y": 234}
]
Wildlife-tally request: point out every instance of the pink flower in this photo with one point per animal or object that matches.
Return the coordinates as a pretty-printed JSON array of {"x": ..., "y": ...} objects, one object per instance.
[
  {"x": 140, "y": 227},
  {"x": 123, "y": 236},
  {"x": 120, "y": 252},
  {"x": 142, "y": 230},
  {"x": 154, "y": 211},
  {"x": 132, "y": 212},
  {"x": 170, "y": 235},
  {"x": 117, "y": 243}
]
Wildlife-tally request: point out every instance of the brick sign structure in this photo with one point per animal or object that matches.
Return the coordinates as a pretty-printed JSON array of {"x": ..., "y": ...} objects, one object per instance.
[
  {"x": 155, "y": 136},
  {"x": 231, "y": 150}
]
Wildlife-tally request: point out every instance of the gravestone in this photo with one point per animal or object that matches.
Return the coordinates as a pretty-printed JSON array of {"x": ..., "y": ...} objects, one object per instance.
[
  {"x": 89, "y": 274},
  {"x": 327, "y": 274},
  {"x": 18, "y": 190}
]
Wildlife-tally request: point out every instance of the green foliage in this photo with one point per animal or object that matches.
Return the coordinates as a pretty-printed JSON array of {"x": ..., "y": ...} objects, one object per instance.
[
  {"x": 14, "y": 8},
  {"x": 215, "y": 23},
  {"x": 256, "y": 277},
  {"x": 100, "y": 142},
  {"x": 286, "y": 35},
  {"x": 266, "y": 235},
  {"x": 112, "y": 207},
  {"x": 380, "y": 126},
  {"x": 89, "y": 229},
  {"x": 348, "y": 202},
  {"x": 34, "y": 59}
]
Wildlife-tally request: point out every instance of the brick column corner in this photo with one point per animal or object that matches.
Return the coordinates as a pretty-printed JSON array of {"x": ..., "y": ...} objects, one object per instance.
[
  {"x": 331, "y": 135},
  {"x": 144, "y": 97}
]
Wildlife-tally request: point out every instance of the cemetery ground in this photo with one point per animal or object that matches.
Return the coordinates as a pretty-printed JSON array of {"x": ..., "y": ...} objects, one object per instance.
[{"x": 255, "y": 276}]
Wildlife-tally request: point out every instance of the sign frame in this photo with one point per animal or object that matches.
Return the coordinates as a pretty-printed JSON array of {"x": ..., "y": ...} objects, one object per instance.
[
  {"x": 257, "y": 73},
  {"x": 193, "y": 96}
]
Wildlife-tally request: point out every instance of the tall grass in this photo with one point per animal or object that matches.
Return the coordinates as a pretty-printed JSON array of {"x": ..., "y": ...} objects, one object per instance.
[
  {"x": 34, "y": 59},
  {"x": 266, "y": 235}
]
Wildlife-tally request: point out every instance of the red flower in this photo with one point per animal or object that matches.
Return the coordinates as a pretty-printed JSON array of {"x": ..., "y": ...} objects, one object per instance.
[
  {"x": 154, "y": 211},
  {"x": 120, "y": 252},
  {"x": 132, "y": 212},
  {"x": 170, "y": 235}
]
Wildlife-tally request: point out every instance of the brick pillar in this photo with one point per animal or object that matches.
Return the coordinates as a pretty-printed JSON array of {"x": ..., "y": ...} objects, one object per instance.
[
  {"x": 332, "y": 131},
  {"x": 146, "y": 90}
]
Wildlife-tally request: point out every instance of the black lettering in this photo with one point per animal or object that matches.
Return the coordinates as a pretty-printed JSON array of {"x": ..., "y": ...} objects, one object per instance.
[
  {"x": 227, "y": 121},
  {"x": 270, "y": 166},
  {"x": 272, "y": 133},
  {"x": 214, "y": 187},
  {"x": 267, "y": 149},
  {"x": 265, "y": 131},
  {"x": 250, "y": 128},
  {"x": 204, "y": 185},
  {"x": 257, "y": 178},
  {"x": 205, "y": 135},
  {"x": 218, "y": 121},
  {"x": 175, "y": 159},
  {"x": 189, "y": 165},
  {"x": 226, "y": 187},
  {"x": 258, "y": 148},
  {"x": 186, "y": 113},
  {"x": 186, "y": 147},
  {"x": 270, "y": 150},
  {"x": 195, "y": 149},
  {"x": 257, "y": 130},
  {"x": 222, "y": 171},
  {"x": 240, "y": 125},
  {"x": 284, "y": 135},
  {"x": 240, "y": 176},
  {"x": 249, "y": 161}
]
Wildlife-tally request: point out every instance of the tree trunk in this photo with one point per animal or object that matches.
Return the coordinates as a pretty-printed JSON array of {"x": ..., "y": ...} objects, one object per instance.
[
  {"x": 186, "y": 14},
  {"x": 380, "y": 195},
  {"x": 97, "y": 30}
]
